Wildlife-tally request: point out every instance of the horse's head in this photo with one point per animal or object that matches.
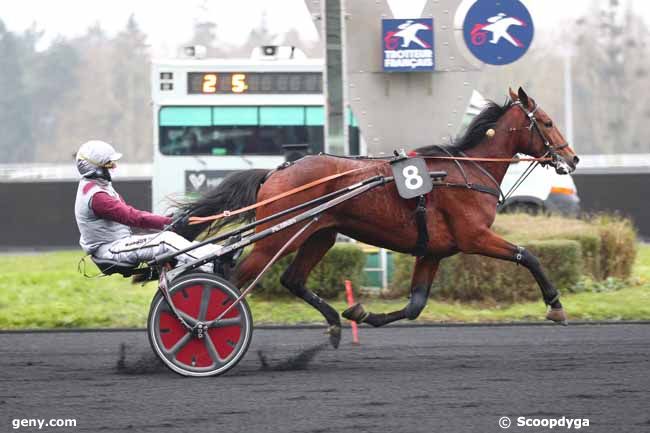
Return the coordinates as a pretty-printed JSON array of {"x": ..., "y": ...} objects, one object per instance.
[{"x": 539, "y": 137}]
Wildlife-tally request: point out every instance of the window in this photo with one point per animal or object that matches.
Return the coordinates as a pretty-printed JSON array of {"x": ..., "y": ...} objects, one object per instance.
[{"x": 246, "y": 130}]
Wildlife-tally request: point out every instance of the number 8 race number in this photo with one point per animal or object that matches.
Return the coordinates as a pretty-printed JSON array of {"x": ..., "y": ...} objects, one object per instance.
[{"x": 413, "y": 180}]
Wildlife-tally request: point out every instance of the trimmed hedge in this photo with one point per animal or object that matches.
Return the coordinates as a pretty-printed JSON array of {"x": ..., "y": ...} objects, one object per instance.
[
  {"x": 342, "y": 262},
  {"x": 619, "y": 247},
  {"x": 568, "y": 249}
]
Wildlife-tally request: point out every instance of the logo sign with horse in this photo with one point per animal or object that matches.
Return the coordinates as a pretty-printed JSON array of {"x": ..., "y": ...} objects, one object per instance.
[
  {"x": 407, "y": 45},
  {"x": 498, "y": 32}
]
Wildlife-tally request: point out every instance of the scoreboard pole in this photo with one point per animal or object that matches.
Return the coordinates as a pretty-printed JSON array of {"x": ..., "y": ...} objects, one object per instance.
[{"x": 334, "y": 89}]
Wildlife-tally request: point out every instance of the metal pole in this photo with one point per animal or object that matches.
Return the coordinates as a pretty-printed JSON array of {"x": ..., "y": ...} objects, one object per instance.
[
  {"x": 568, "y": 99},
  {"x": 334, "y": 78},
  {"x": 383, "y": 256}
]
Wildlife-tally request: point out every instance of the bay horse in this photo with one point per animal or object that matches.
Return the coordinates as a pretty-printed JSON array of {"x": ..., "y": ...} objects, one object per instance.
[{"x": 458, "y": 219}]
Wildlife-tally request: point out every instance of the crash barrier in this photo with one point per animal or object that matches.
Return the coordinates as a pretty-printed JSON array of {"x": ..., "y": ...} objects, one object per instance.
[{"x": 40, "y": 214}]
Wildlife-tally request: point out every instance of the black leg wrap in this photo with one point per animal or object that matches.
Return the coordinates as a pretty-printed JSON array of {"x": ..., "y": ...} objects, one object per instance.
[
  {"x": 382, "y": 319},
  {"x": 417, "y": 302},
  {"x": 550, "y": 293}
]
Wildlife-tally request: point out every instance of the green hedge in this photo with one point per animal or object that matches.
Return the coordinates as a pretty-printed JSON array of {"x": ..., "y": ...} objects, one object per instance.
[
  {"x": 569, "y": 249},
  {"x": 342, "y": 262},
  {"x": 619, "y": 247}
]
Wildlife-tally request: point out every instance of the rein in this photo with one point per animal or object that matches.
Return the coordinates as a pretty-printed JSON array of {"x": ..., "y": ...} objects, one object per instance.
[
  {"x": 469, "y": 158},
  {"x": 228, "y": 213}
]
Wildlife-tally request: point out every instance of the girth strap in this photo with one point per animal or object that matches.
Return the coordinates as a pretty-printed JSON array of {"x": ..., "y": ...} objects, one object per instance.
[
  {"x": 473, "y": 186},
  {"x": 421, "y": 222}
]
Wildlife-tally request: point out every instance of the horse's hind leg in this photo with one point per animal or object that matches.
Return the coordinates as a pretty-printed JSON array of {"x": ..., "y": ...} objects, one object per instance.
[
  {"x": 423, "y": 274},
  {"x": 295, "y": 277}
]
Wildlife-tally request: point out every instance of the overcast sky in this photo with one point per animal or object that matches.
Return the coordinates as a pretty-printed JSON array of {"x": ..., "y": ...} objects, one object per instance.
[{"x": 168, "y": 23}]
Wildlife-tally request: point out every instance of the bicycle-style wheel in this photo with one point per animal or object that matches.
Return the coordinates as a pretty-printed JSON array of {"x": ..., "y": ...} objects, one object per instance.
[{"x": 200, "y": 297}]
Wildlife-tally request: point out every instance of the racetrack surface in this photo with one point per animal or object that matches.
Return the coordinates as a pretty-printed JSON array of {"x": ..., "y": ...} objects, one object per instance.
[{"x": 400, "y": 379}]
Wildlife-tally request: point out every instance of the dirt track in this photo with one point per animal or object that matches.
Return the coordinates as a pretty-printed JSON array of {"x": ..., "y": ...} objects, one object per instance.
[{"x": 422, "y": 379}]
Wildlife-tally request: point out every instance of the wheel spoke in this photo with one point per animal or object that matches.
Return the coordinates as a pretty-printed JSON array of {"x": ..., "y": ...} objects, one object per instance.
[
  {"x": 227, "y": 322},
  {"x": 213, "y": 351},
  {"x": 189, "y": 319},
  {"x": 180, "y": 343},
  {"x": 205, "y": 302},
  {"x": 165, "y": 307}
]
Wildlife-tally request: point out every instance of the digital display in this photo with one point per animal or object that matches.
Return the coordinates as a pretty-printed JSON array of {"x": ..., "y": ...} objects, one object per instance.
[{"x": 210, "y": 83}]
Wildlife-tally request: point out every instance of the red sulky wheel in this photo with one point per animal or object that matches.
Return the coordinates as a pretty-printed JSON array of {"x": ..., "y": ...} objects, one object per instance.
[{"x": 200, "y": 297}]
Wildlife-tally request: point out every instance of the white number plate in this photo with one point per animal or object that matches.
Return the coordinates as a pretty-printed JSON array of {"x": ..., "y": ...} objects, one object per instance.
[{"x": 412, "y": 177}]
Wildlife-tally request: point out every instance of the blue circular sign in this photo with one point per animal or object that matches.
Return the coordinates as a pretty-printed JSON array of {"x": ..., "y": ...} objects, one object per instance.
[{"x": 498, "y": 32}]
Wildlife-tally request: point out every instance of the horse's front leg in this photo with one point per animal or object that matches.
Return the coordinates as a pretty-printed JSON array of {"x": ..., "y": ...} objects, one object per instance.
[
  {"x": 423, "y": 274},
  {"x": 488, "y": 243}
]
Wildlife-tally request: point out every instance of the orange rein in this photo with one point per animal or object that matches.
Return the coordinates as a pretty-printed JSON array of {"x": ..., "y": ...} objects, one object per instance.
[
  {"x": 198, "y": 220},
  {"x": 227, "y": 213},
  {"x": 469, "y": 158}
]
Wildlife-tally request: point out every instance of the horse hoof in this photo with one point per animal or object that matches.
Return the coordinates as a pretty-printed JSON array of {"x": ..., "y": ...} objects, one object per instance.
[
  {"x": 557, "y": 316},
  {"x": 356, "y": 313},
  {"x": 335, "y": 335}
]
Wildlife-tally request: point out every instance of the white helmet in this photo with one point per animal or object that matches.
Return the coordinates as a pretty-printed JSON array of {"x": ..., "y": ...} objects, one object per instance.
[{"x": 95, "y": 157}]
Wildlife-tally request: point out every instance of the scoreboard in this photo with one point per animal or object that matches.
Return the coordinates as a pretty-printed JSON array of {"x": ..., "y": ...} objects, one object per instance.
[{"x": 210, "y": 83}]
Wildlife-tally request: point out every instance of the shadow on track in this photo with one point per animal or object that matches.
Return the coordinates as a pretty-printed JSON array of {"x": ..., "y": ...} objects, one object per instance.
[
  {"x": 145, "y": 364},
  {"x": 298, "y": 362},
  {"x": 148, "y": 363}
]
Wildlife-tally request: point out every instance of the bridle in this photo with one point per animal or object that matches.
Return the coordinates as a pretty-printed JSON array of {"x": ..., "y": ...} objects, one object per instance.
[{"x": 551, "y": 150}]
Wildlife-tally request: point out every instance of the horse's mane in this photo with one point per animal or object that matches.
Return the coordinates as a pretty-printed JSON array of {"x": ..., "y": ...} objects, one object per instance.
[{"x": 475, "y": 132}]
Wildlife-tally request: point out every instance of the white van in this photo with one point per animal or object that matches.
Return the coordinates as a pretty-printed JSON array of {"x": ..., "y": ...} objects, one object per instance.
[{"x": 543, "y": 191}]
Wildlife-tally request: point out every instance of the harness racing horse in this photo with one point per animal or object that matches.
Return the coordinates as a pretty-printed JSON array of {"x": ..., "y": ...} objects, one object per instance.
[{"x": 458, "y": 219}]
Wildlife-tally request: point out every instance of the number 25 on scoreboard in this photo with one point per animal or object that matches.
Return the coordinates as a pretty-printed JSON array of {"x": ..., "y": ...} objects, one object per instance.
[{"x": 237, "y": 83}]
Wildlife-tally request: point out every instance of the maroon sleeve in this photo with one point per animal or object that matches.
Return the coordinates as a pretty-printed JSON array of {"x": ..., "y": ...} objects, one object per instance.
[{"x": 114, "y": 209}]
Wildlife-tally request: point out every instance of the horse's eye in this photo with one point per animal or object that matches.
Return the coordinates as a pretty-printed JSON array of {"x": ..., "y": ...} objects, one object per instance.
[{"x": 549, "y": 124}]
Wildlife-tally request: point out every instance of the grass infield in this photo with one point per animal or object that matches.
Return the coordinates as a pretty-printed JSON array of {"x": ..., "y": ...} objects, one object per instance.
[{"x": 45, "y": 291}]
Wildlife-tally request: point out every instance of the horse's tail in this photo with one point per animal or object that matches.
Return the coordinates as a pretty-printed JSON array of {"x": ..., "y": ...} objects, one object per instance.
[{"x": 237, "y": 190}]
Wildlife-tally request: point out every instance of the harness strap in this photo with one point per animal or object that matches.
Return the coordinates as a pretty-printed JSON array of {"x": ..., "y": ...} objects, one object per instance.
[
  {"x": 455, "y": 159},
  {"x": 227, "y": 213},
  {"x": 473, "y": 186},
  {"x": 421, "y": 221},
  {"x": 487, "y": 173}
]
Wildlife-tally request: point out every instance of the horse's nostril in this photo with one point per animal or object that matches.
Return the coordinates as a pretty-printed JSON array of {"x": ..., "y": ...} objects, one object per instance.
[{"x": 576, "y": 160}]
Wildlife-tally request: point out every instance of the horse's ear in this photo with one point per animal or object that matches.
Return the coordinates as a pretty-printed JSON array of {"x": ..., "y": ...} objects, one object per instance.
[
  {"x": 523, "y": 97},
  {"x": 513, "y": 95}
]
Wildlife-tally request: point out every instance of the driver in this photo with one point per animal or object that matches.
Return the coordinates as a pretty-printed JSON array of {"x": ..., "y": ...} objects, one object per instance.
[{"x": 105, "y": 220}]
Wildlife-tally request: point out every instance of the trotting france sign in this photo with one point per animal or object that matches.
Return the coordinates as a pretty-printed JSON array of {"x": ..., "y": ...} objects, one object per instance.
[
  {"x": 498, "y": 32},
  {"x": 408, "y": 45}
]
